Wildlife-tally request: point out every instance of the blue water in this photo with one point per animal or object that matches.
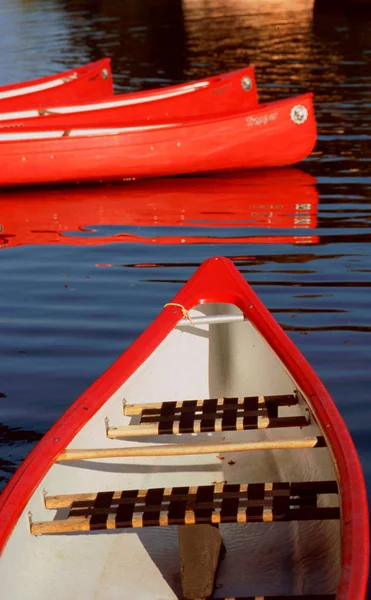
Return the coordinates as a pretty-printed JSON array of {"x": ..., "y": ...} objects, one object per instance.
[{"x": 77, "y": 286}]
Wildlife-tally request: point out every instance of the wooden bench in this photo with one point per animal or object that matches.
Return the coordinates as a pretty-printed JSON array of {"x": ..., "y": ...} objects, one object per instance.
[{"x": 197, "y": 511}]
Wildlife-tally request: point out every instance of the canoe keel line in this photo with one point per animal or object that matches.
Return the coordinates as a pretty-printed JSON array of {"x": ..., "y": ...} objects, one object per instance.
[{"x": 216, "y": 431}]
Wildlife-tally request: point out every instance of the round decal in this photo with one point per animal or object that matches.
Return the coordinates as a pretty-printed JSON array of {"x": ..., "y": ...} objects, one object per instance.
[
  {"x": 299, "y": 114},
  {"x": 246, "y": 83}
]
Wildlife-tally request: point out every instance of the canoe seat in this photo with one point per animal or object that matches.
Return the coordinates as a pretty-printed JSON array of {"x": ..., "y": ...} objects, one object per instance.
[
  {"x": 211, "y": 415},
  {"x": 205, "y": 504}
]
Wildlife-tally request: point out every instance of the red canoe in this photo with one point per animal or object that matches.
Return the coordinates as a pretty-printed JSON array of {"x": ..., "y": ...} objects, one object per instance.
[
  {"x": 230, "y": 92},
  {"x": 212, "y": 417},
  {"x": 92, "y": 81},
  {"x": 274, "y": 134},
  {"x": 270, "y": 200}
]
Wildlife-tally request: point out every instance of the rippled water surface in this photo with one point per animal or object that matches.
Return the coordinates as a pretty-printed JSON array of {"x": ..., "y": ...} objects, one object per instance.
[{"x": 85, "y": 270}]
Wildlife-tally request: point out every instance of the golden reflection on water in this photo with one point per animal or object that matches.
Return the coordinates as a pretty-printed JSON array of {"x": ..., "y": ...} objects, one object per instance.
[{"x": 265, "y": 33}]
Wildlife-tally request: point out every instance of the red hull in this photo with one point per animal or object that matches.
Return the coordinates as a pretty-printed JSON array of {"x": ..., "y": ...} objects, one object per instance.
[
  {"x": 269, "y": 136},
  {"x": 277, "y": 199},
  {"x": 217, "y": 280},
  {"x": 216, "y": 95},
  {"x": 93, "y": 81}
]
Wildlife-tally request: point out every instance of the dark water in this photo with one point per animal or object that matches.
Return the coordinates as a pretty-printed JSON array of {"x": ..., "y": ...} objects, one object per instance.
[{"x": 83, "y": 272}]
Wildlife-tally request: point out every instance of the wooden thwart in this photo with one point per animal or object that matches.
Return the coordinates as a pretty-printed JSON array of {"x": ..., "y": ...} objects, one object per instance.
[
  {"x": 199, "y": 505},
  {"x": 205, "y": 416},
  {"x": 189, "y": 449}
]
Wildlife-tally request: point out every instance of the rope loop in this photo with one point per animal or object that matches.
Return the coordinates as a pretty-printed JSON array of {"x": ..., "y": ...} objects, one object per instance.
[{"x": 185, "y": 312}]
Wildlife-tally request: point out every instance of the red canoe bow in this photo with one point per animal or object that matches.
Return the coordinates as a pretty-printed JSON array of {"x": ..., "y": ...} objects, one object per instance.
[
  {"x": 251, "y": 440},
  {"x": 92, "y": 81}
]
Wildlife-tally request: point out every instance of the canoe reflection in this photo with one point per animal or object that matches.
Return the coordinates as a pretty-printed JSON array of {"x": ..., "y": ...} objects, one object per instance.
[{"x": 168, "y": 211}]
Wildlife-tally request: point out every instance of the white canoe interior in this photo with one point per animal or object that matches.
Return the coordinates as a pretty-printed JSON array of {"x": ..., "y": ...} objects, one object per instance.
[{"x": 52, "y": 554}]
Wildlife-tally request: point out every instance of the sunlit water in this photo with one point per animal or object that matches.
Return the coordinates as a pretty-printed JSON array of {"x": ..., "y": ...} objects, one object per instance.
[{"x": 83, "y": 272}]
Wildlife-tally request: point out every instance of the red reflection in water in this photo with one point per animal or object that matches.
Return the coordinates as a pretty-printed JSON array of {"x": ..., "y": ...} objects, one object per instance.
[{"x": 278, "y": 198}]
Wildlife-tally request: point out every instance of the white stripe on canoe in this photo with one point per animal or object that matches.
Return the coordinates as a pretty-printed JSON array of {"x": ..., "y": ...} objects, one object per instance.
[
  {"x": 70, "y": 110},
  {"x": 50, "y": 135},
  {"x": 31, "y": 89}
]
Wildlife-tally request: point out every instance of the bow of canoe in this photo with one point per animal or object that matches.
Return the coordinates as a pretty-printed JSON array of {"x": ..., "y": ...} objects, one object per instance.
[
  {"x": 210, "y": 426},
  {"x": 92, "y": 81}
]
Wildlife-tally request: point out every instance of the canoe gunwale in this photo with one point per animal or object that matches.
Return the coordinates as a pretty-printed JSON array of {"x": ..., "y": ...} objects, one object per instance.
[
  {"x": 217, "y": 280},
  {"x": 126, "y": 99}
]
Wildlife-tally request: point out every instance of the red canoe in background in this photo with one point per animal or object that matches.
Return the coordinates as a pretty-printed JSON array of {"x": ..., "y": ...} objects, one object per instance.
[
  {"x": 272, "y": 199},
  {"x": 92, "y": 81},
  {"x": 274, "y": 134},
  {"x": 229, "y": 92}
]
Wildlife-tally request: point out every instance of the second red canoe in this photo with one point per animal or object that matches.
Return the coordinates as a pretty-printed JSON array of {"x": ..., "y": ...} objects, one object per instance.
[{"x": 217, "y": 95}]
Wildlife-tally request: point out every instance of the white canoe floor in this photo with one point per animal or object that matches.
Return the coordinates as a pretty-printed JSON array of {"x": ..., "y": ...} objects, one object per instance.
[{"x": 205, "y": 361}]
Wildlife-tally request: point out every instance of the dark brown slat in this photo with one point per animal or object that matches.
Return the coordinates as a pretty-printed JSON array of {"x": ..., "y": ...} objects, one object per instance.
[
  {"x": 297, "y": 421},
  {"x": 99, "y": 519},
  {"x": 167, "y": 412},
  {"x": 153, "y": 505},
  {"x": 314, "y": 514},
  {"x": 321, "y": 487}
]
